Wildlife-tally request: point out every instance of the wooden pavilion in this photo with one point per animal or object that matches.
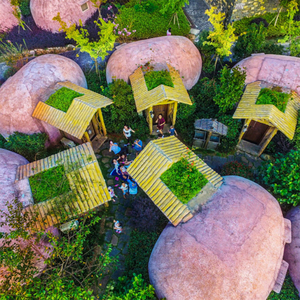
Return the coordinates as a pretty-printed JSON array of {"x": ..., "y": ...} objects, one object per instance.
[
  {"x": 83, "y": 122},
  {"x": 87, "y": 186},
  {"x": 264, "y": 120},
  {"x": 157, "y": 157},
  {"x": 160, "y": 100}
]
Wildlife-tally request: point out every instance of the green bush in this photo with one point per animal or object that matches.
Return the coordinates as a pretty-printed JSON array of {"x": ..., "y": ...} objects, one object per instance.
[
  {"x": 25, "y": 7},
  {"x": 184, "y": 180},
  {"x": 296, "y": 139},
  {"x": 229, "y": 142},
  {"x": 269, "y": 47},
  {"x": 62, "y": 98},
  {"x": 229, "y": 88},
  {"x": 251, "y": 42},
  {"x": 123, "y": 111},
  {"x": 282, "y": 177},
  {"x": 238, "y": 169},
  {"x": 27, "y": 145},
  {"x": 288, "y": 291},
  {"x": 149, "y": 25},
  {"x": 96, "y": 82},
  {"x": 49, "y": 184},
  {"x": 155, "y": 78},
  {"x": 274, "y": 97},
  {"x": 2, "y": 142}
]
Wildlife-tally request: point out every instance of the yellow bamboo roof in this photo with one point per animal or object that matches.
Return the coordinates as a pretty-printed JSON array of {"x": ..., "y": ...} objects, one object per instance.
[
  {"x": 144, "y": 98},
  {"x": 157, "y": 157},
  {"x": 88, "y": 188},
  {"x": 267, "y": 113},
  {"x": 80, "y": 113}
]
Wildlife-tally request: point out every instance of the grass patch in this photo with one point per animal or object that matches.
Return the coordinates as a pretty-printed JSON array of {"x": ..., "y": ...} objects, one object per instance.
[
  {"x": 49, "y": 184},
  {"x": 273, "y": 96},
  {"x": 184, "y": 180},
  {"x": 155, "y": 78},
  {"x": 62, "y": 98}
]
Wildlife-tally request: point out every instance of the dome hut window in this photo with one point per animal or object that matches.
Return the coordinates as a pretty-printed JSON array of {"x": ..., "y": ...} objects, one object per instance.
[{"x": 84, "y": 6}]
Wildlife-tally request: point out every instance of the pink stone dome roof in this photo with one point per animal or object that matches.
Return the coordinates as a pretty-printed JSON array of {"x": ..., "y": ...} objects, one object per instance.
[
  {"x": 43, "y": 12},
  {"x": 7, "y": 19},
  {"x": 281, "y": 70},
  {"x": 35, "y": 82},
  {"x": 178, "y": 51},
  {"x": 232, "y": 249}
]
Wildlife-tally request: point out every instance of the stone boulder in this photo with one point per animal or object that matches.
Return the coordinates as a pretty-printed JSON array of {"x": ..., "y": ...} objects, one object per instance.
[
  {"x": 178, "y": 51},
  {"x": 281, "y": 70},
  {"x": 35, "y": 82},
  {"x": 232, "y": 249},
  {"x": 9, "y": 163},
  {"x": 292, "y": 252},
  {"x": 7, "y": 19},
  {"x": 43, "y": 12}
]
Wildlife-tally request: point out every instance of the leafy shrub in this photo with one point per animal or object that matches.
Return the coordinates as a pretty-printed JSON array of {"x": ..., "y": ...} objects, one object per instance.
[
  {"x": 26, "y": 145},
  {"x": 238, "y": 169},
  {"x": 130, "y": 289},
  {"x": 229, "y": 142},
  {"x": 269, "y": 47},
  {"x": 296, "y": 139},
  {"x": 273, "y": 96},
  {"x": 251, "y": 42},
  {"x": 62, "y": 98},
  {"x": 49, "y": 184},
  {"x": 144, "y": 215},
  {"x": 139, "y": 251},
  {"x": 288, "y": 291},
  {"x": 184, "y": 180},
  {"x": 2, "y": 142},
  {"x": 148, "y": 25},
  {"x": 10, "y": 72},
  {"x": 156, "y": 78},
  {"x": 230, "y": 88},
  {"x": 96, "y": 82},
  {"x": 282, "y": 177},
  {"x": 146, "y": 6},
  {"x": 123, "y": 110},
  {"x": 25, "y": 7}
]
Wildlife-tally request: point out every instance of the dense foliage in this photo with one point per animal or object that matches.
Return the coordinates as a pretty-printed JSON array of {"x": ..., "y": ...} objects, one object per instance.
[
  {"x": 282, "y": 177},
  {"x": 229, "y": 88},
  {"x": 123, "y": 111},
  {"x": 62, "y": 98},
  {"x": 49, "y": 184},
  {"x": 238, "y": 169},
  {"x": 27, "y": 145},
  {"x": 156, "y": 78},
  {"x": 148, "y": 21},
  {"x": 296, "y": 139},
  {"x": 273, "y": 96},
  {"x": 184, "y": 180}
]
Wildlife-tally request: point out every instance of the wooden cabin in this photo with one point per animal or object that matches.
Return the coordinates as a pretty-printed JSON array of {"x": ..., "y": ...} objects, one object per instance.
[
  {"x": 83, "y": 122},
  {"x": 87, "y": 186},
  {"x": 208, "y": 133},
  {"x": 160, "y": 100},
  {"x": 157, "y": 157},
  {"x": 263, "y": 121}
]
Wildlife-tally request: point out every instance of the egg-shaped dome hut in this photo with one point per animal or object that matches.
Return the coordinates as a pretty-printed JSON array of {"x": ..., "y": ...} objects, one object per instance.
[
  {"x": 7, "y": 19},
  {"x": 20, "y": 190},
  {"x": 177, "y": 51},
  {"x": 35, "y": 82},
  {"x": 71, "y": 11},
  {"x": 232, "y": 249}
]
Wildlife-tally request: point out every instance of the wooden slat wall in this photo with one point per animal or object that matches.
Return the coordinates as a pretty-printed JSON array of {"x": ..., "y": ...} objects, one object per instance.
[
  {"x": 285, "y": 122},
  {"x": 144, "y": 98},
  {"x": 88, "y": 187},
  {"x": 153, "y": 161},
  {"x": 80, "y": 113}
]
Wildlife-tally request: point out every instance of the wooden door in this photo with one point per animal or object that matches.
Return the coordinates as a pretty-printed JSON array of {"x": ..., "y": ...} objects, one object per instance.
[
  {"x": 160, "y": 109},
  {"x": 255, "y": 132},
  {"x": 91, "y": 131}
]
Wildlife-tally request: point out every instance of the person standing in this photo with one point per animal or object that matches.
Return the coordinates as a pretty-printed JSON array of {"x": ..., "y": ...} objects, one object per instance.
[
  {"x": 124, "y": 188},
  {"x": 132, "y": 186},
  {"x": 127, "y": 133},
  {"x": 138, "y": 146},
  {"x": 169, "y": 32},
  {"x": 112, "y": 194},
  {"x": 172, "y": 131},
  {"x": 160, "y": 124}
]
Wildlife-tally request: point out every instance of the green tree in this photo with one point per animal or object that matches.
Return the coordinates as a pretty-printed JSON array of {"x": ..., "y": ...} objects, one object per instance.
[
  {"x": 230, "y": 88},
  {"x": 97, "y": 48},
  {"x": 173, "y": 7},
  {"x": 222, "y": 39}
]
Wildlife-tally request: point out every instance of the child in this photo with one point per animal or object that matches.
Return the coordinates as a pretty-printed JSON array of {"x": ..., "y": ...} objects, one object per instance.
[
  {"x": 132, "y": 187},
  {"x": 127, "y": 133},
  {"x": 160, "y": 124},
  {"x": 118, "y": 226},
  {"x": 112, "y": 194},
  {"x": 138, "y": 146},
  {"x": 172, "y": 131},
  {"x": 124, "y": 188}
]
